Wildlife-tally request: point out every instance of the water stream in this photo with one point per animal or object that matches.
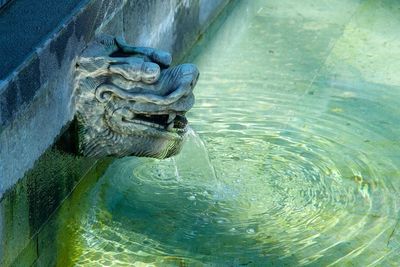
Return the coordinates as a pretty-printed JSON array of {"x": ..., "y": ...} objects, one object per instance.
[{"x": 293, "y": 158}]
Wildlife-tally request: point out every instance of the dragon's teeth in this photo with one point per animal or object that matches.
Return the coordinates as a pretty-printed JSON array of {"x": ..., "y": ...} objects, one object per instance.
[{"x": 171, "y": 117}]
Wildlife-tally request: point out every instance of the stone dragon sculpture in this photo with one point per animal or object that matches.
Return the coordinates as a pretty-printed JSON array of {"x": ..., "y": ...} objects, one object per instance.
[{"x": 130, "y": 101}]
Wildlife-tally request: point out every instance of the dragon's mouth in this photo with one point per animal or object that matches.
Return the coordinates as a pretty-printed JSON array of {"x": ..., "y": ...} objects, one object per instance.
[{"x": 172, "y": 122}]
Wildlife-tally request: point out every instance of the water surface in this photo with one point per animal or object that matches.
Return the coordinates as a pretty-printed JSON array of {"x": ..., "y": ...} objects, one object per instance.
[{"x": 293, "y": 158}]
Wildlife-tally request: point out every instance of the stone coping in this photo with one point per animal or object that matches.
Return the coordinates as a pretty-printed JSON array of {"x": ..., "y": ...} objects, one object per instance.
[{"x": 24, "y": 24}]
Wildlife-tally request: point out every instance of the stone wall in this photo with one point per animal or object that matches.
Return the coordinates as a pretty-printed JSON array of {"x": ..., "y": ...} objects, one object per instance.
[
  {"x": 40, "y": 43},
  {"x": 36, "y": 98},
  {"x": 28, "y": 205}
]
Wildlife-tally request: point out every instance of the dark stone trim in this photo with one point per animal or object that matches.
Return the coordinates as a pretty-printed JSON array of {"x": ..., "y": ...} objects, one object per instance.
[{"x": 24, "y": 24}]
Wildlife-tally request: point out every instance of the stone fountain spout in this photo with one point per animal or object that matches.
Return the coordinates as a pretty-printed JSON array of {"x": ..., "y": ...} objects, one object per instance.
[{"x": 131, "y": 101}]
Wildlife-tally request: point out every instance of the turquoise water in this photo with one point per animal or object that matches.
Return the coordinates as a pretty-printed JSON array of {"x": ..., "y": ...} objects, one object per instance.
[{"x": 293, "y": 157}]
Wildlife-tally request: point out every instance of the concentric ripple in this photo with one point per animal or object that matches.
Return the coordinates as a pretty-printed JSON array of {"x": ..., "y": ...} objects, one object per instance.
[{"x": 293, "y": 158}]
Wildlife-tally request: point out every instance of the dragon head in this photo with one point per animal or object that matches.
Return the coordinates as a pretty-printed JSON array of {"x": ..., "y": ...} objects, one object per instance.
[{"x": 130, "y": 101}]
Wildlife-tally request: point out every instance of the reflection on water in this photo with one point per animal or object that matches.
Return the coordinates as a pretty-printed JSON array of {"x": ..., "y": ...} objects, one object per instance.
[{"x": 294, "y": 158}]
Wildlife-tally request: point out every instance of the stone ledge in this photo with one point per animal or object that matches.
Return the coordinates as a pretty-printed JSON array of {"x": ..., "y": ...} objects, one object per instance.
[
  {"x": 24, "y": 24},
  {"x": 28, "y": 57}
]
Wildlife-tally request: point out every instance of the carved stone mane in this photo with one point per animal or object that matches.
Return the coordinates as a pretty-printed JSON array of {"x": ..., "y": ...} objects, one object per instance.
[{"x": 130, "y": 101}]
